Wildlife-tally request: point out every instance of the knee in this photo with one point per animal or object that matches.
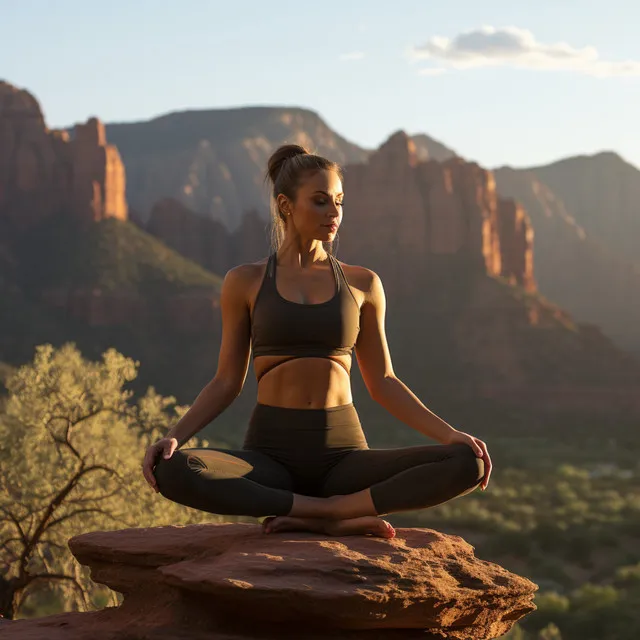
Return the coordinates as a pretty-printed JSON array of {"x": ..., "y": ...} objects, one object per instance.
[
  {"x": 471, "y": 466},
  {"x": 166, "y": 473}
]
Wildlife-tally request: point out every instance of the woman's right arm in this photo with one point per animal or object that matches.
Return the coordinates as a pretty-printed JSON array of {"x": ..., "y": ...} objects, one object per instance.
[{"x": 233, "y": 359}]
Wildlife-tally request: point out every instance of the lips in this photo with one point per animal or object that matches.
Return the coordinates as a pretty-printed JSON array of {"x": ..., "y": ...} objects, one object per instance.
[{"x": 332, "y": 226}]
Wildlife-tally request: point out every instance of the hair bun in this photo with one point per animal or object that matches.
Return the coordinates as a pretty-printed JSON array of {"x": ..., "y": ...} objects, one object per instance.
[
  {"x": 280, "y": 156},
  {"x": 294, "y": 150}
]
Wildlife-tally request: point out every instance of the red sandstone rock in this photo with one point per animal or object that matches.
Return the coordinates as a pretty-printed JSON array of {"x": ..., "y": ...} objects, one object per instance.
[
  {"x": 233, "y": 579},
  {"x": 414, "y": 211},
  {"x": 98, "y": 174},
  {"x": 516, "y": 255},
  {"x": 186, "y": 312},
  {"x": 99, "y": 308},
  {"x": 203, "y": 240},
  {"x": 193, "y": 311},
  {"x": 206, "y": 241},
  {"x": 42, "y": 171}
]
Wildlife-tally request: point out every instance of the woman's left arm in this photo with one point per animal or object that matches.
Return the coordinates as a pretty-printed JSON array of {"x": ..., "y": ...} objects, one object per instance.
[{"x": 374, "y": 361}]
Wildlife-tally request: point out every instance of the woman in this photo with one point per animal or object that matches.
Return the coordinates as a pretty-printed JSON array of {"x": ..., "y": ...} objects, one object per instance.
[{"x": 305, "y": 461}]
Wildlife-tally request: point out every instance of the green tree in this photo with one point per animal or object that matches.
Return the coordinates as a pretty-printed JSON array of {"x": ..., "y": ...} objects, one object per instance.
[
  {"x": 71, "y": 448},
  {"x": 595, "y": 612},
  {"x": 515, "y": 633},
  {"x": 550, "y": 632},
  {"x": 627, "y": 576}
]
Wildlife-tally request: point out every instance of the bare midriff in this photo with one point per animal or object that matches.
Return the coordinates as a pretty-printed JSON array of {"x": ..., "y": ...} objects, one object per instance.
[{"x": 304, "y": 383}]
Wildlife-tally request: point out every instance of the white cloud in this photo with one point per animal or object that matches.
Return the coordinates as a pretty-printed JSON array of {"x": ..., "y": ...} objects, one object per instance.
[
  {"x": 354, "y": 55},
  {"x": 515, "y": 47}
]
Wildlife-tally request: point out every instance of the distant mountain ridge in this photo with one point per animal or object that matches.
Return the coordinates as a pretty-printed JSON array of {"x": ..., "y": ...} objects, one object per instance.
[
  {"x": 201, "y": 158},
  {"x": 213, "y": 161},
  {"x": 427, "y": 148},
  {"x": 602, "y": 192},
  {"x": 586, "y": 216}
]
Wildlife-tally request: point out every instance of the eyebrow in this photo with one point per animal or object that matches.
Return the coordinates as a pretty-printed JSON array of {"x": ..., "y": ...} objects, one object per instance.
[{"x": 328, "y": 194}]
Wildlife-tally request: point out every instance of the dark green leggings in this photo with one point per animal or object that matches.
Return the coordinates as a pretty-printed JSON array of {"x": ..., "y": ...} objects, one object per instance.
[{"x": 314, "y": 452}]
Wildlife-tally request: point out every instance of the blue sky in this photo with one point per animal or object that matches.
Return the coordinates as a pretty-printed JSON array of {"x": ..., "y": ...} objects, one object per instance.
[{"x": 501, "y": 82}]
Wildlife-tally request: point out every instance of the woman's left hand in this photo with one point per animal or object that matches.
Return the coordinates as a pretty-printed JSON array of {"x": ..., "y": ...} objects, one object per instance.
[{"x": 479, "y": 448}]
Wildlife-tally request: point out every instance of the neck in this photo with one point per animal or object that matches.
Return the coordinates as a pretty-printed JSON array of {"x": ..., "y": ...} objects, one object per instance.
[{"x": 302, "y": 257}]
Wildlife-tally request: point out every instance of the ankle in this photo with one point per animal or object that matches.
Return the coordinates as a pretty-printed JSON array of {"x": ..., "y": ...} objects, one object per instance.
[
  {"x": 336, "y": 508},
  {"x": 353, "y": 505}
]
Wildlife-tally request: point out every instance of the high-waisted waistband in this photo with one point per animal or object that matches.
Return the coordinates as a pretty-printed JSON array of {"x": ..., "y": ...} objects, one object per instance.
[
  {"x": 339, "y": 407},
  {"x": 307, "y": 442},
  {"x": 285, "y": 428}
]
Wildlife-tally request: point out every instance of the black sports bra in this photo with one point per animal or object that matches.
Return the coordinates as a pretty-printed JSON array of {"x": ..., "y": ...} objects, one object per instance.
[{"x": 283, "y": 327}]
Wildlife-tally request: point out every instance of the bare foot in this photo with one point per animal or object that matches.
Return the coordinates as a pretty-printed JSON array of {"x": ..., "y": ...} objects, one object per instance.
[
  {"x": 363, "y": 525},
  {"x": 273, "y": 524},
  {"x": 349, "y": 527}
]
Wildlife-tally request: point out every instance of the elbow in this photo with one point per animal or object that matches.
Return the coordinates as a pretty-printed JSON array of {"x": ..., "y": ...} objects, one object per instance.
[
  {"x": 231, "y": 389},
  {"x": 378, "y": 391}
]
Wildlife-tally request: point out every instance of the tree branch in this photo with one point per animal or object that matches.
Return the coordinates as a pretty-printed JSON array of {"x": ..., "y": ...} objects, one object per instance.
[
  {"x": 55, "y": 503},
  {"x": 75, "y": 513},
  {"x": 15, "y": 521}
]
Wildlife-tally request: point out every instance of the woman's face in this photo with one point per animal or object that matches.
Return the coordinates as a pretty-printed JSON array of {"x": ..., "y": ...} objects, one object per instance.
[{"x": 317, "y": 207}]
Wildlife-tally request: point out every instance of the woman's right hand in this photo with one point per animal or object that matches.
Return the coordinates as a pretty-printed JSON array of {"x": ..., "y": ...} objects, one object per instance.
[{"x": 164, "y": 447}]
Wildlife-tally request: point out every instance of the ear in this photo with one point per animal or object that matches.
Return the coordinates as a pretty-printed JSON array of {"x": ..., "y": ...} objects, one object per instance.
[{"x": 283, "y": 204}]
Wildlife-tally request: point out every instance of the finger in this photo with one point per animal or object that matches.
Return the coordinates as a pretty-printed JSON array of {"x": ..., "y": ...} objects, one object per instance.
[
  {"x": 148, "y": 475},
  {"x": 172, "y": 447},
  {"x": 147, "y": 470},
  {"x": 488, "y": 471},
  {"x": 477, "y": 448},
  {"x": 488, "y": 465},
  {"x": 479, "y": 443}
]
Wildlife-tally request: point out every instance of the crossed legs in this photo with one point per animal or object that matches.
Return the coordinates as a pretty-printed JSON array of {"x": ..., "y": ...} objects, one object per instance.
[
  {"x": 364, "y": 484},
  {"x": 393, "y": 479}
]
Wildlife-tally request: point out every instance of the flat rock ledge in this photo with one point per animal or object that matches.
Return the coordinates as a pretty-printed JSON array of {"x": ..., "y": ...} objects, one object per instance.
[{"x": 231, "y": 582}]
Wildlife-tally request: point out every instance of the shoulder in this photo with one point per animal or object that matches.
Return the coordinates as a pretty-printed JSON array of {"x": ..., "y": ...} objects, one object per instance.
[
  {"x": 246, "y": 273},
  {"x": 243, "y": 278},
  {"x": 365, "y": 280}
]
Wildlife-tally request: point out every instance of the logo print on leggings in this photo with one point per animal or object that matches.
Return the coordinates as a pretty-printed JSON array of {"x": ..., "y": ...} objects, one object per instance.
[
  {"x": 207, "y": 463},
  {"x": 195, "y": 464}
]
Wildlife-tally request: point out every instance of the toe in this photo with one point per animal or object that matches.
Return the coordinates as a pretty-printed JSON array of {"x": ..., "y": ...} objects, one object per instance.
[{"x": 266, "y": 524}]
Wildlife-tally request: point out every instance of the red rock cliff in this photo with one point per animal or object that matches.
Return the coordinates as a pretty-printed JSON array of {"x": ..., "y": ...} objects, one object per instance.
[
  {"x": 43, "y": 171},
  {"x": 414, "y": 211}
]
